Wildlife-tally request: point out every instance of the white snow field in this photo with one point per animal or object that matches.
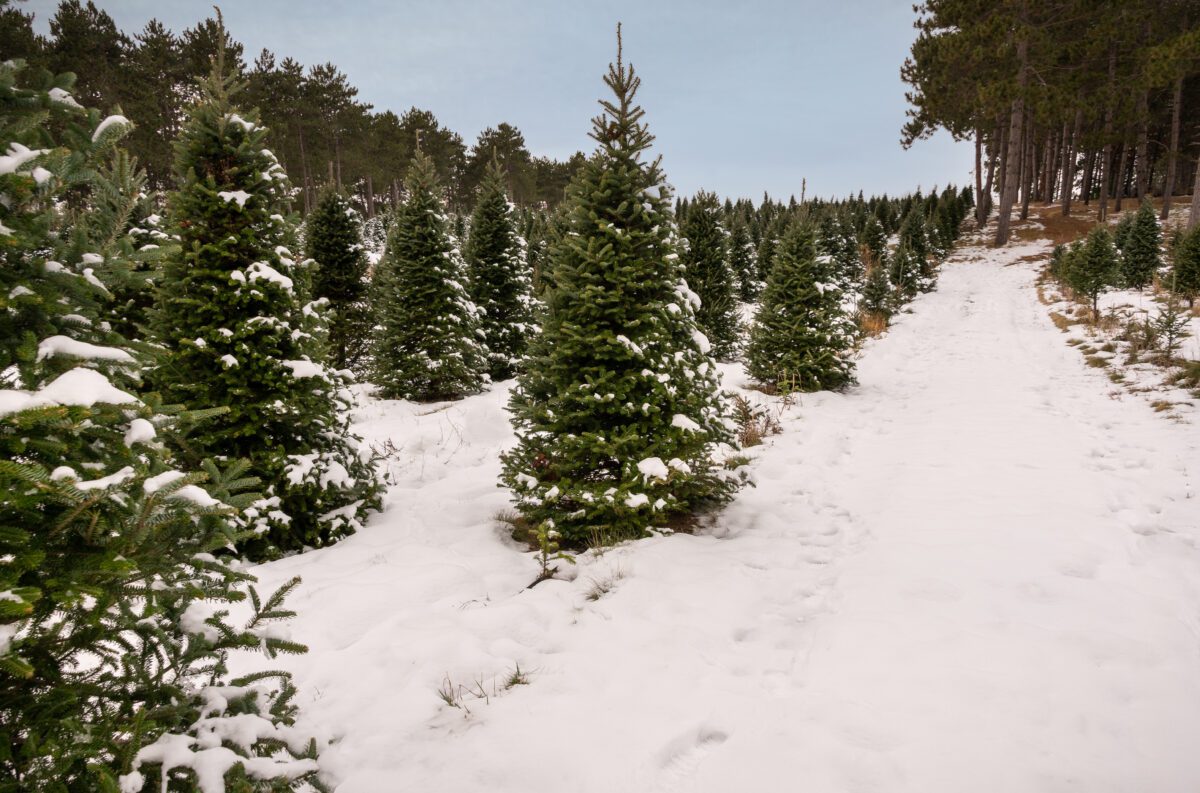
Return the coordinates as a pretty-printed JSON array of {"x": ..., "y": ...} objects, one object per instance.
[{"x": 975, "y": 571}]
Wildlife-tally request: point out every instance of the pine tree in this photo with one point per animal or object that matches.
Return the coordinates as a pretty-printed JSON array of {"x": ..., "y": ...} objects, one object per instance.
[
  {"x": 801, "y": 339},
  {"x": 1094, "y": 267},
  {"x": 914, "y": 239},
  {"x": 706, "y": 266},
  {"x": 334, "y": 242},
  {"x": 112, "y": 634},
  {"x": 904, "y": 271},
  {"x": 619, "y": 421},
  {"x": 1142, "y": 248},
  {"x": 1185, "y": 274},
  {"x": 741, "y": 262},
  {"x": 428, "y": 345},
  {"x": 500, "y": 283},
  {"x": 874, "y": 239},
  {"x": 239, "y": 332}
]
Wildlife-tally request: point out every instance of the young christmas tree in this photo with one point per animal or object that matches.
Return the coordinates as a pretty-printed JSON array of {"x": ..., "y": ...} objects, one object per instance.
[
  {"x": 741, "y": 262},
  {"x": 874, "y": 239},
  {"x": 1094, "y": 267},
  {"x": 499, "y": 277},
  {"x": 914, "y": 239},
  {"x": 1142, "y": 248},
  {"x": 877, "y": 293},
  {"x": 706, "y": 267},
  {"x": 619, "y": 421},
  {"x": 334, "y": 242},
  {"x": 239, "y": 332},
  {"x": 1185, "y": 272},
  {"x": 905, "y": 273},
  {"x": 428, "y": 345},
  {"x": 802, "y": 339},
  {"x": 113, "y": 630}
]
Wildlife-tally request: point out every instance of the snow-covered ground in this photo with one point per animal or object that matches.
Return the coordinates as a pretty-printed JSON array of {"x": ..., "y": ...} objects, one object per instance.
[{"x": 977, "y": 570}]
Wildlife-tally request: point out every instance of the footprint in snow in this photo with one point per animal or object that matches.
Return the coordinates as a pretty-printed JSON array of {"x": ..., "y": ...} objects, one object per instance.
[{"x": 681, "y": 758}]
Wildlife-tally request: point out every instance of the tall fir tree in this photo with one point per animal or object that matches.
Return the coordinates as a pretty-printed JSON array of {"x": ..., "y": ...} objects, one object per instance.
[
  {"x": 618, "y": 416},
  {"x": 112, "y": 634},
  {"x": 1141, "y": 253},
  {"x": 904, "y": 271},
  {"x": 334, "y": 241},
  {"x": 801, "y": 339},
  {"x": 239, "y": 332},
  {"x": 741, "y": 262},
  {"x": 876, "y": 293},
  {"x": 706, "y": 267},
  {"x": 428, "y": 345},
  {"x": 499, "y": 278}
]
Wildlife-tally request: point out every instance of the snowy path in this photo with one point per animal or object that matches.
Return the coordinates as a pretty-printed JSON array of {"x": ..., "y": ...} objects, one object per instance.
[{"x": 976, "y": 571}]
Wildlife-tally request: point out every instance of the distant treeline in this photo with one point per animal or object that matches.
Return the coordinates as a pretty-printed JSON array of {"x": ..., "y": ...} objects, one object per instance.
[
  {"x": 1087, "y": 99},
  {"x": 319, "y": 130}
]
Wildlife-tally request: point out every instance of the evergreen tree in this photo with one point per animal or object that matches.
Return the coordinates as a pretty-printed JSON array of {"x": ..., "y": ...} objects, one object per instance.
[
  {"x": 914, "y": 239},
  {"x": 619, "y": 421},
  {"x": 499, "y": 277},
  {"x": 877, "y": 293},
  {"x": 112, "y": 635},
  {"x": 1142, "y": 248},
  {"x": 1185, "y": 274},
  {"x": 239, "y": 332},
  {"x": 428, "y": 345},
  {"x": 334, "y": 241},
  {"x": 741, "y": 262},
  {"x": 706, "y": 267},
  {"x": 801, "y": 339},
  {"x": 905, "y": 273},
  {"x": 874, "y": 239},
  {"x": 1094, "y": 267}
]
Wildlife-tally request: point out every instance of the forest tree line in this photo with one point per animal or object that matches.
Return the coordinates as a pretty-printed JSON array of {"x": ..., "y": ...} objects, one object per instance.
[
  {"x": 1066, "y": 100},
  {"x": 319, "y": 129}
]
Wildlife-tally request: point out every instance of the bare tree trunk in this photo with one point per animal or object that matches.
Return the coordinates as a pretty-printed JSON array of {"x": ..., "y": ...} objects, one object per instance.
[
  {"x": 1027, "y": 177},
  {"x": 370, "y": 197},
  {"x": 1002, "y": 161},
  {"x": 1119, "y": 187},
  {"x": 1046, "y": 183},
  {"x": 1089, "y": 171},
  {"x": 1068, "y": 163},
  {"x": 1142, "y": 157},
  {"x": 304, "y": 174},
  {"x": 1194, "y": 215},
  {"x": 978, "y": 176},
  {"x": 1106, "y": 162},
  {"x": 1172, "y": 154},
  {"x": 395, "y": 194},
  {"x": 1013, "y": 155}
]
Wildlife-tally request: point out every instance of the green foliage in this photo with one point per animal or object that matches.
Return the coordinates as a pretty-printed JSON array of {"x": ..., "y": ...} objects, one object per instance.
[
  {"x": 500, "y": 283},
  {"x": 334, "y": 242},
  {"x": 1093, "y": 266},
  {"x": 874, "y": 240},
  {"x": 1142, "y": 248},
  {"x": 114, "y": 629},
  {"x": 802, "y": 338},
  {"x": 619, "y": 422},
  {"x": 706, "y": 267},
  {"x": 877, "y": 293},
  {"x": 1185, "y": 272},
  {"x": 742, "y": 263},
  {"x": 239, "y": 331},
  {"x": 427, "y": 345}
]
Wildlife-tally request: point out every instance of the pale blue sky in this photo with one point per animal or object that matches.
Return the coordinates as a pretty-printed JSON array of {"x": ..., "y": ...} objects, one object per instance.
[{"x": 742, "y": 96}]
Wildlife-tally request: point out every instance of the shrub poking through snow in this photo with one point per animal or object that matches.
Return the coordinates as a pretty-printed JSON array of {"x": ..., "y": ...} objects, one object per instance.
[
  {"x": 619, "y": 421},
  {"x": 802, "y": 338},
  {"x": 334, "y": 242},
  {"x": 500, "y": 283},
  {"x": 428, "y": 345},
  {"x": 113, "y": 627},
  {"x": 706, "y": 267},
  {"x": 239, "y": 332},
  {"x": 1141, "y": 248}
]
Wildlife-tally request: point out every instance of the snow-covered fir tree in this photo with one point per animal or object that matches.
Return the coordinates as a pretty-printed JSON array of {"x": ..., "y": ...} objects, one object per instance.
[
  {"x": 874, "y": 240},
  {"x": 876, "y": 293},
  {"x": 914, "y": 239},
  {"x": 428, "y": 345},
  {"x": 113, "y": 634},
  {"x": 802, "y": 339},
  {"x": 620, "y": 424},
  {"x": 1141, "y": 251},
  {"x": 499, "y": 278},
  {"x": 741, "y": 261},
  {"x": 838, "y": 241},
  {"x": 334, "y": 241},
  {"x": 239, "y": 332},
  {"x": 706, "y": 267}
]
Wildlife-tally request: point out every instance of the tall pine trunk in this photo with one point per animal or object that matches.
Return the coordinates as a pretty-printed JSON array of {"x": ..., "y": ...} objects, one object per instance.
[
  {"x": 1013, "y": 154},
  {"x": 1173, "y": 152},
  {"x": 1119, "y": 186},
  {"x": 1142, "y": 157}
]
